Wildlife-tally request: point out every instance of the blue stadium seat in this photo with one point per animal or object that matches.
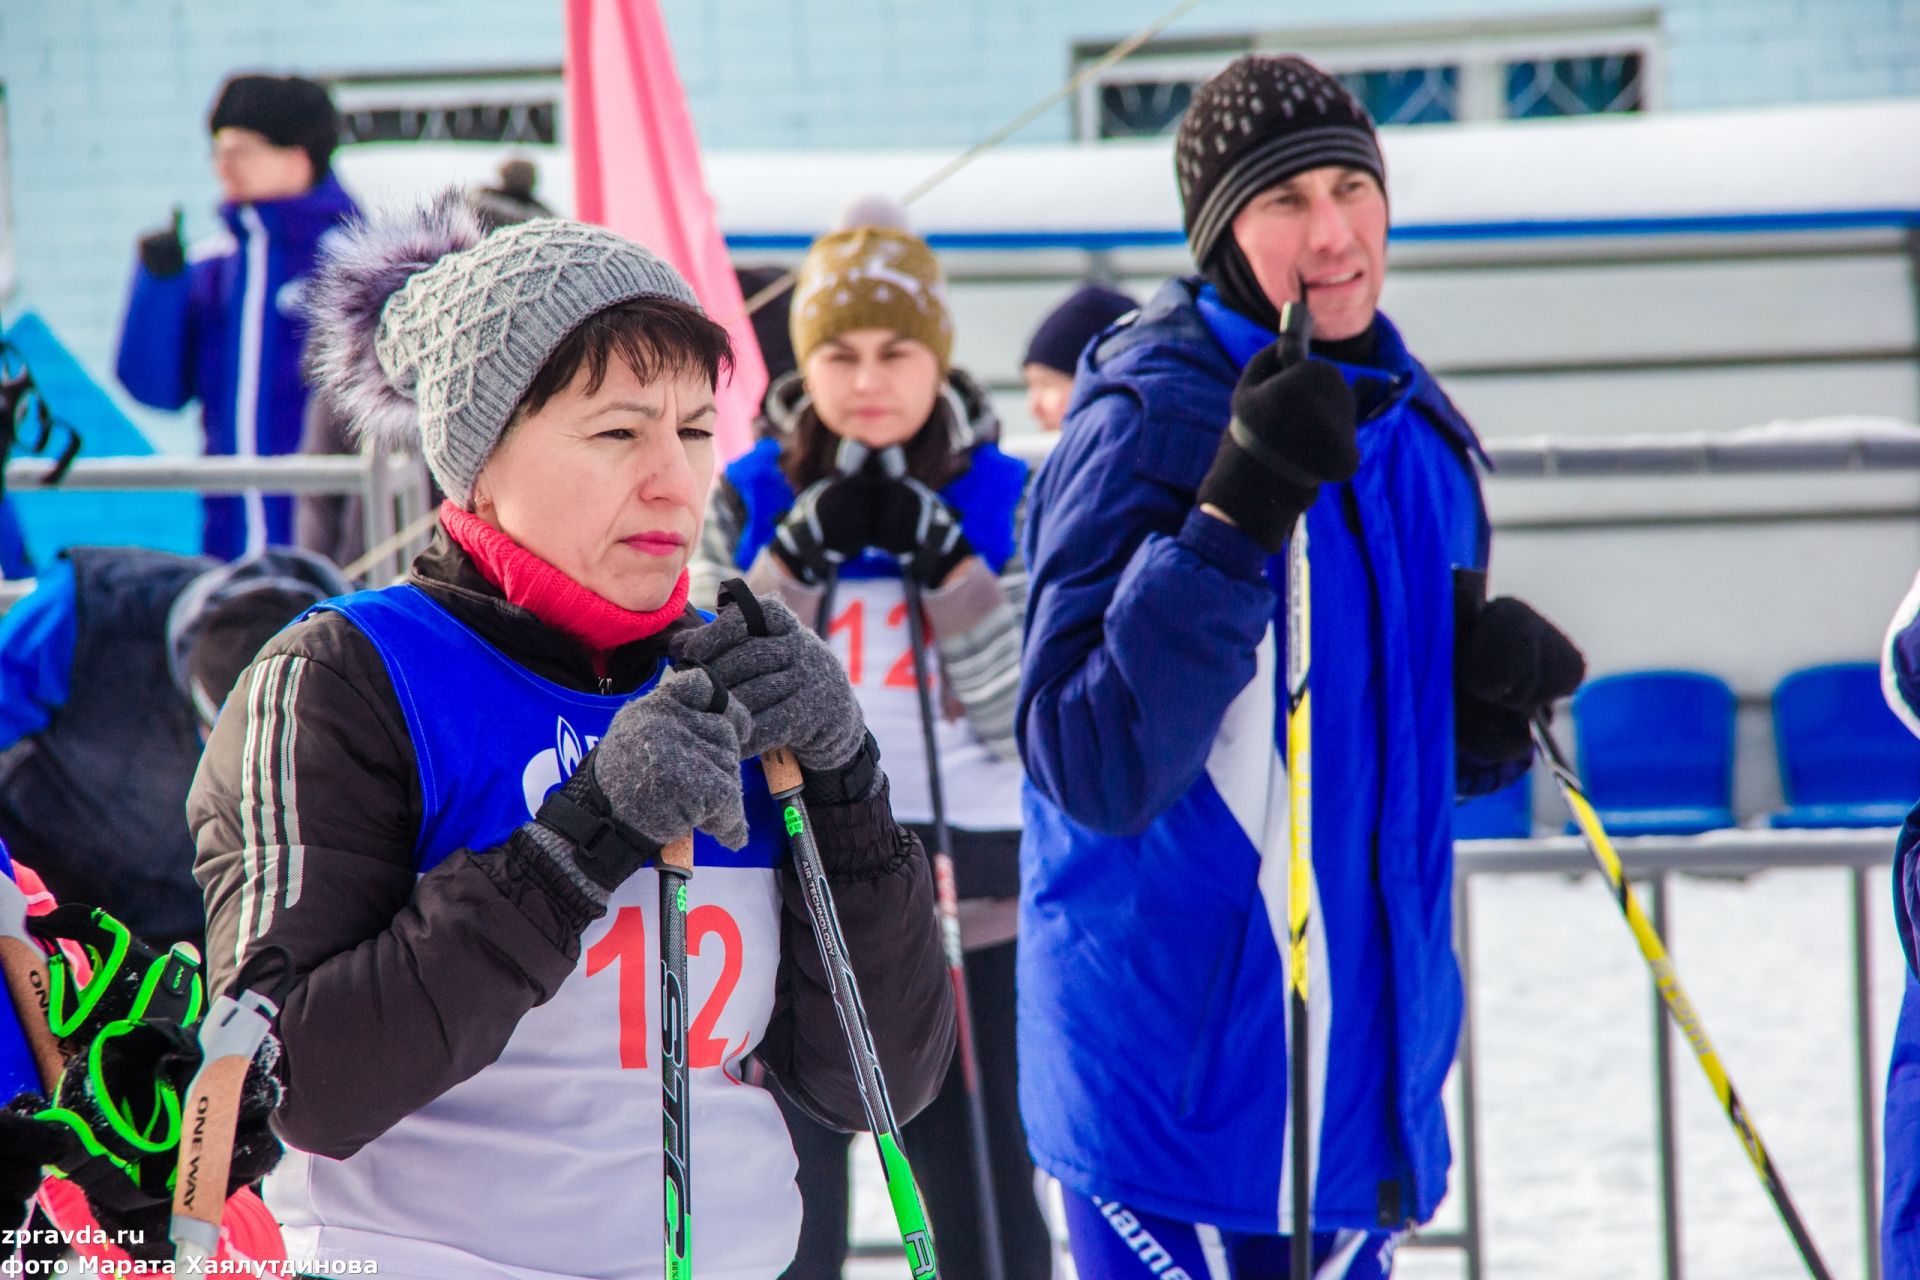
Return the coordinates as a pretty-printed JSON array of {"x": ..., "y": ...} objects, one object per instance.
[
  {"x": 1506, "y": 814},
  {"x": 1656, "y": 751},
  {"x": 1845, "y": 759}
]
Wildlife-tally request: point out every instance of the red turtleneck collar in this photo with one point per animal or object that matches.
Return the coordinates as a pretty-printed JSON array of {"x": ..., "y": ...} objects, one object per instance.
[{"x": 550, "y": 595}]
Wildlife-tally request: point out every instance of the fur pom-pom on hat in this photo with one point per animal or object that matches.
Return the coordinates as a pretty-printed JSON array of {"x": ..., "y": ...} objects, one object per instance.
[{"x": 364, "y": 264}]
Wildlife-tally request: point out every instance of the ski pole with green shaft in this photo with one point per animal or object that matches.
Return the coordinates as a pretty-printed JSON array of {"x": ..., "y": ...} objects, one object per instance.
[
  {"x": 1296, "y": 332},
  {"x": 675, "y": 868},
  {"x": 1667, "y": 980},
  {"x": 784, "y": 781}
]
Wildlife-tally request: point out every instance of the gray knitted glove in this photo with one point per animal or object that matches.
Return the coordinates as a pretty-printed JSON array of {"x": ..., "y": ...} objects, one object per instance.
[
  {"x": 788, "y": 679},
  {"x": 669, "y": 764}
]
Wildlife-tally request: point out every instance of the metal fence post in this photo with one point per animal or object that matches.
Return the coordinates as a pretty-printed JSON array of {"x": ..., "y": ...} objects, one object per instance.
[
  {"x": 1866, "y": 1067},
  {"x": 1663, "y": 1095},
  {"x": 1469, "y": 1094}
]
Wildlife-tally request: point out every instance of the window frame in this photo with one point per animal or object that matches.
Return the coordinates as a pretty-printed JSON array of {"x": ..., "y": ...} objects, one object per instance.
[
  {"x": 453, "y": 89},
  {"x": 1481, "y": 50}
]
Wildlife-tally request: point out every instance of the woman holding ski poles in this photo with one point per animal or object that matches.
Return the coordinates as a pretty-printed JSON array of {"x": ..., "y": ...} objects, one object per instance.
[
  {"x": 881, "y": 491},
  {"x": 458, "y": 803}
]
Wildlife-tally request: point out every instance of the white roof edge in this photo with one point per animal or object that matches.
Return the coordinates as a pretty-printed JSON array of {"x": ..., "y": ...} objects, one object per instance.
[{"x": 1783, "y": 160}]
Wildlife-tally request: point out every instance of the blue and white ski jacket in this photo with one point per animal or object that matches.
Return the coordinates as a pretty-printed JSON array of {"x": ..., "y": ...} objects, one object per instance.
[
  {"x": 229, "y": 332},
  {"x": 1152, "y": 994},
  {"x": 1900, "y": 1212}
]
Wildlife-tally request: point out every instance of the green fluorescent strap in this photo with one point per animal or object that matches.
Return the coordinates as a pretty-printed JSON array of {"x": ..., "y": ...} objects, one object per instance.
[{"x": 64, "y": 1024}]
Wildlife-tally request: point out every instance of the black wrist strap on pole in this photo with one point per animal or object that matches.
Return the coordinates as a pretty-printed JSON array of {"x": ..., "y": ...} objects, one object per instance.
[{"x": 602, "y": 839}]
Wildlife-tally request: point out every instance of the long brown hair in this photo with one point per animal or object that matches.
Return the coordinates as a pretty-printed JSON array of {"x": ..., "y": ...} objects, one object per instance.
[{"x": 936, "y": 455}]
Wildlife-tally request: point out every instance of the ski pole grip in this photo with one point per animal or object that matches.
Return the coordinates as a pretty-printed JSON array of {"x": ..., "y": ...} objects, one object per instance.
[
  {"x": 229, "y": 1037},
  {"x": 1296, "y": 329},
  {"x": 679, "y": 855},
  {"x": 31, "y": 990},
  {"x": 783, "y": 771}
]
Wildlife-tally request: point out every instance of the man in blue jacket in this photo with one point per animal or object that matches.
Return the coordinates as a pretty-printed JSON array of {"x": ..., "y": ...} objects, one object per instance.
[
  {"x": 1153, "y": 1028},
  {"x": 228, "y": 329}
]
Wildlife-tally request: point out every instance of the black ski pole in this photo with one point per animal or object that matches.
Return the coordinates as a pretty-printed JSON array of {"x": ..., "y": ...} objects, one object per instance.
[
  {"x": 893, "y": 460},
  {"x": 784, "y": 782},
  {"x": 1296, "y": 333},
  {"x": 675, "y": 868}
]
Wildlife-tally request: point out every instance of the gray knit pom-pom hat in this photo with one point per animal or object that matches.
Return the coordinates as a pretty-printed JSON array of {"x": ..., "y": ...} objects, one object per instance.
[{"x": 427, "y": 330}]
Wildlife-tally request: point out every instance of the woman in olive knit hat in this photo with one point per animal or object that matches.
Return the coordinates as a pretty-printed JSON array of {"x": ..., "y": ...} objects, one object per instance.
[{"x": 884, "y": 465}]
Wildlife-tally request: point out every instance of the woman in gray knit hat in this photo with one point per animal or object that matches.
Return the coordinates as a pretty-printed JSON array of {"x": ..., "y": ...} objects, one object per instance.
[{"x": 471, "y": 1055}]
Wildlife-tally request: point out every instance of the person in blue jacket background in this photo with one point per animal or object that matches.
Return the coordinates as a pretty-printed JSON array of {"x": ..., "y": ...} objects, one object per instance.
[
  {"x": 14, "y": 560},
  {"x": 1152, "y": 995},
  {"x": 228, "y": 329},
  {"x": 1900, "y": 1191},
  {"x": 111, "y": 674}
]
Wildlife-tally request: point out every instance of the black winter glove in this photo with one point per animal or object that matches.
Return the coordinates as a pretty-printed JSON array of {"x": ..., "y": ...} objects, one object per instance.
[
  {"x": 27, "y": 1147},
  {"x": 830, "y": 522},
  {"x": 124, "y": 1094},
  {"x": 1510, "y": 665},
  {"x": 915, "y": 527},
  {"x": 162, "y": 253},
  {"x": 1292, "y": 431}
]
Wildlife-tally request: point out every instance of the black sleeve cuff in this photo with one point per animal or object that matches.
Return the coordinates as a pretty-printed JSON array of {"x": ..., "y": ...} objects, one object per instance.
[
  {"x": 859, "y": 840},
  {"x": 854, "y": 780}
]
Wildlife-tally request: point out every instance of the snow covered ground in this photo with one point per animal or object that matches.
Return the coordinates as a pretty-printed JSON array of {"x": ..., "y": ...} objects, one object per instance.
[{"x": 1570, "y": 1184}]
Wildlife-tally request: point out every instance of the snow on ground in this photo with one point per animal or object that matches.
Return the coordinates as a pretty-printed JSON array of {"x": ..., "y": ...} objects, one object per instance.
[{"x": 1570, "y": 1185}]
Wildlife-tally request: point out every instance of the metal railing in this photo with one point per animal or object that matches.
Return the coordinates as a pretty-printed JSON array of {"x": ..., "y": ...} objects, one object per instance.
[
  {"x": 394, "y": 499},
  {"x": 392, "y": 488},
  {"x": 1701, "y": 453}
]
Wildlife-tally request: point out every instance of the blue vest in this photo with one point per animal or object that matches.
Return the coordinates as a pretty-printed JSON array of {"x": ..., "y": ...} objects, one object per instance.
[
  {"x": 986, "y": 497},
  {"x": 575, "y": 1091},
  {"x": 492, "y": 739}
]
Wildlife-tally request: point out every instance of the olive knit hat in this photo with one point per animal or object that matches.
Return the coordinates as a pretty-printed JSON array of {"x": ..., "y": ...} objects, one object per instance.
[{"x": 871, "y": 274}]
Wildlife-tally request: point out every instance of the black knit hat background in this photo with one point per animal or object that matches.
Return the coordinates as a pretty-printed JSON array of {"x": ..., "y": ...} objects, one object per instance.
[
  {"x": 1261, "y": 120},
  {"x": 1069, "y": 327},
  {"x": 289, "y": 111}
]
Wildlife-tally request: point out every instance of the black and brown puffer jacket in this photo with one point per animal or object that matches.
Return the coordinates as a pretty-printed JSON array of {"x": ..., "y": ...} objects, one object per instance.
[{"x": 409, "y": 984}]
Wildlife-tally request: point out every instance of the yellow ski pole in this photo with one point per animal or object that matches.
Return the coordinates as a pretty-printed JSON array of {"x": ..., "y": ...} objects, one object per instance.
[{"x": 1667, "y": 980}]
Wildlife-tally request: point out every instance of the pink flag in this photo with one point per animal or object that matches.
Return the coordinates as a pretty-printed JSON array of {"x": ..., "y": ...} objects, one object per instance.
[{"x": 636, "y": 170}]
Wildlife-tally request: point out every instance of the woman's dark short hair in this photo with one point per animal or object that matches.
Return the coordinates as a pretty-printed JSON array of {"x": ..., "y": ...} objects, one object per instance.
[{"x": 655, "y": 337}]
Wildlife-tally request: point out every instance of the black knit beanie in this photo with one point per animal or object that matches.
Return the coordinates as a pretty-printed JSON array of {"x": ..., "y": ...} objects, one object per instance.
[
  {"x": 289, "y": 111},
  {"x": 1069, "y": 327},
  {"x": 1260, "y": 121}
]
